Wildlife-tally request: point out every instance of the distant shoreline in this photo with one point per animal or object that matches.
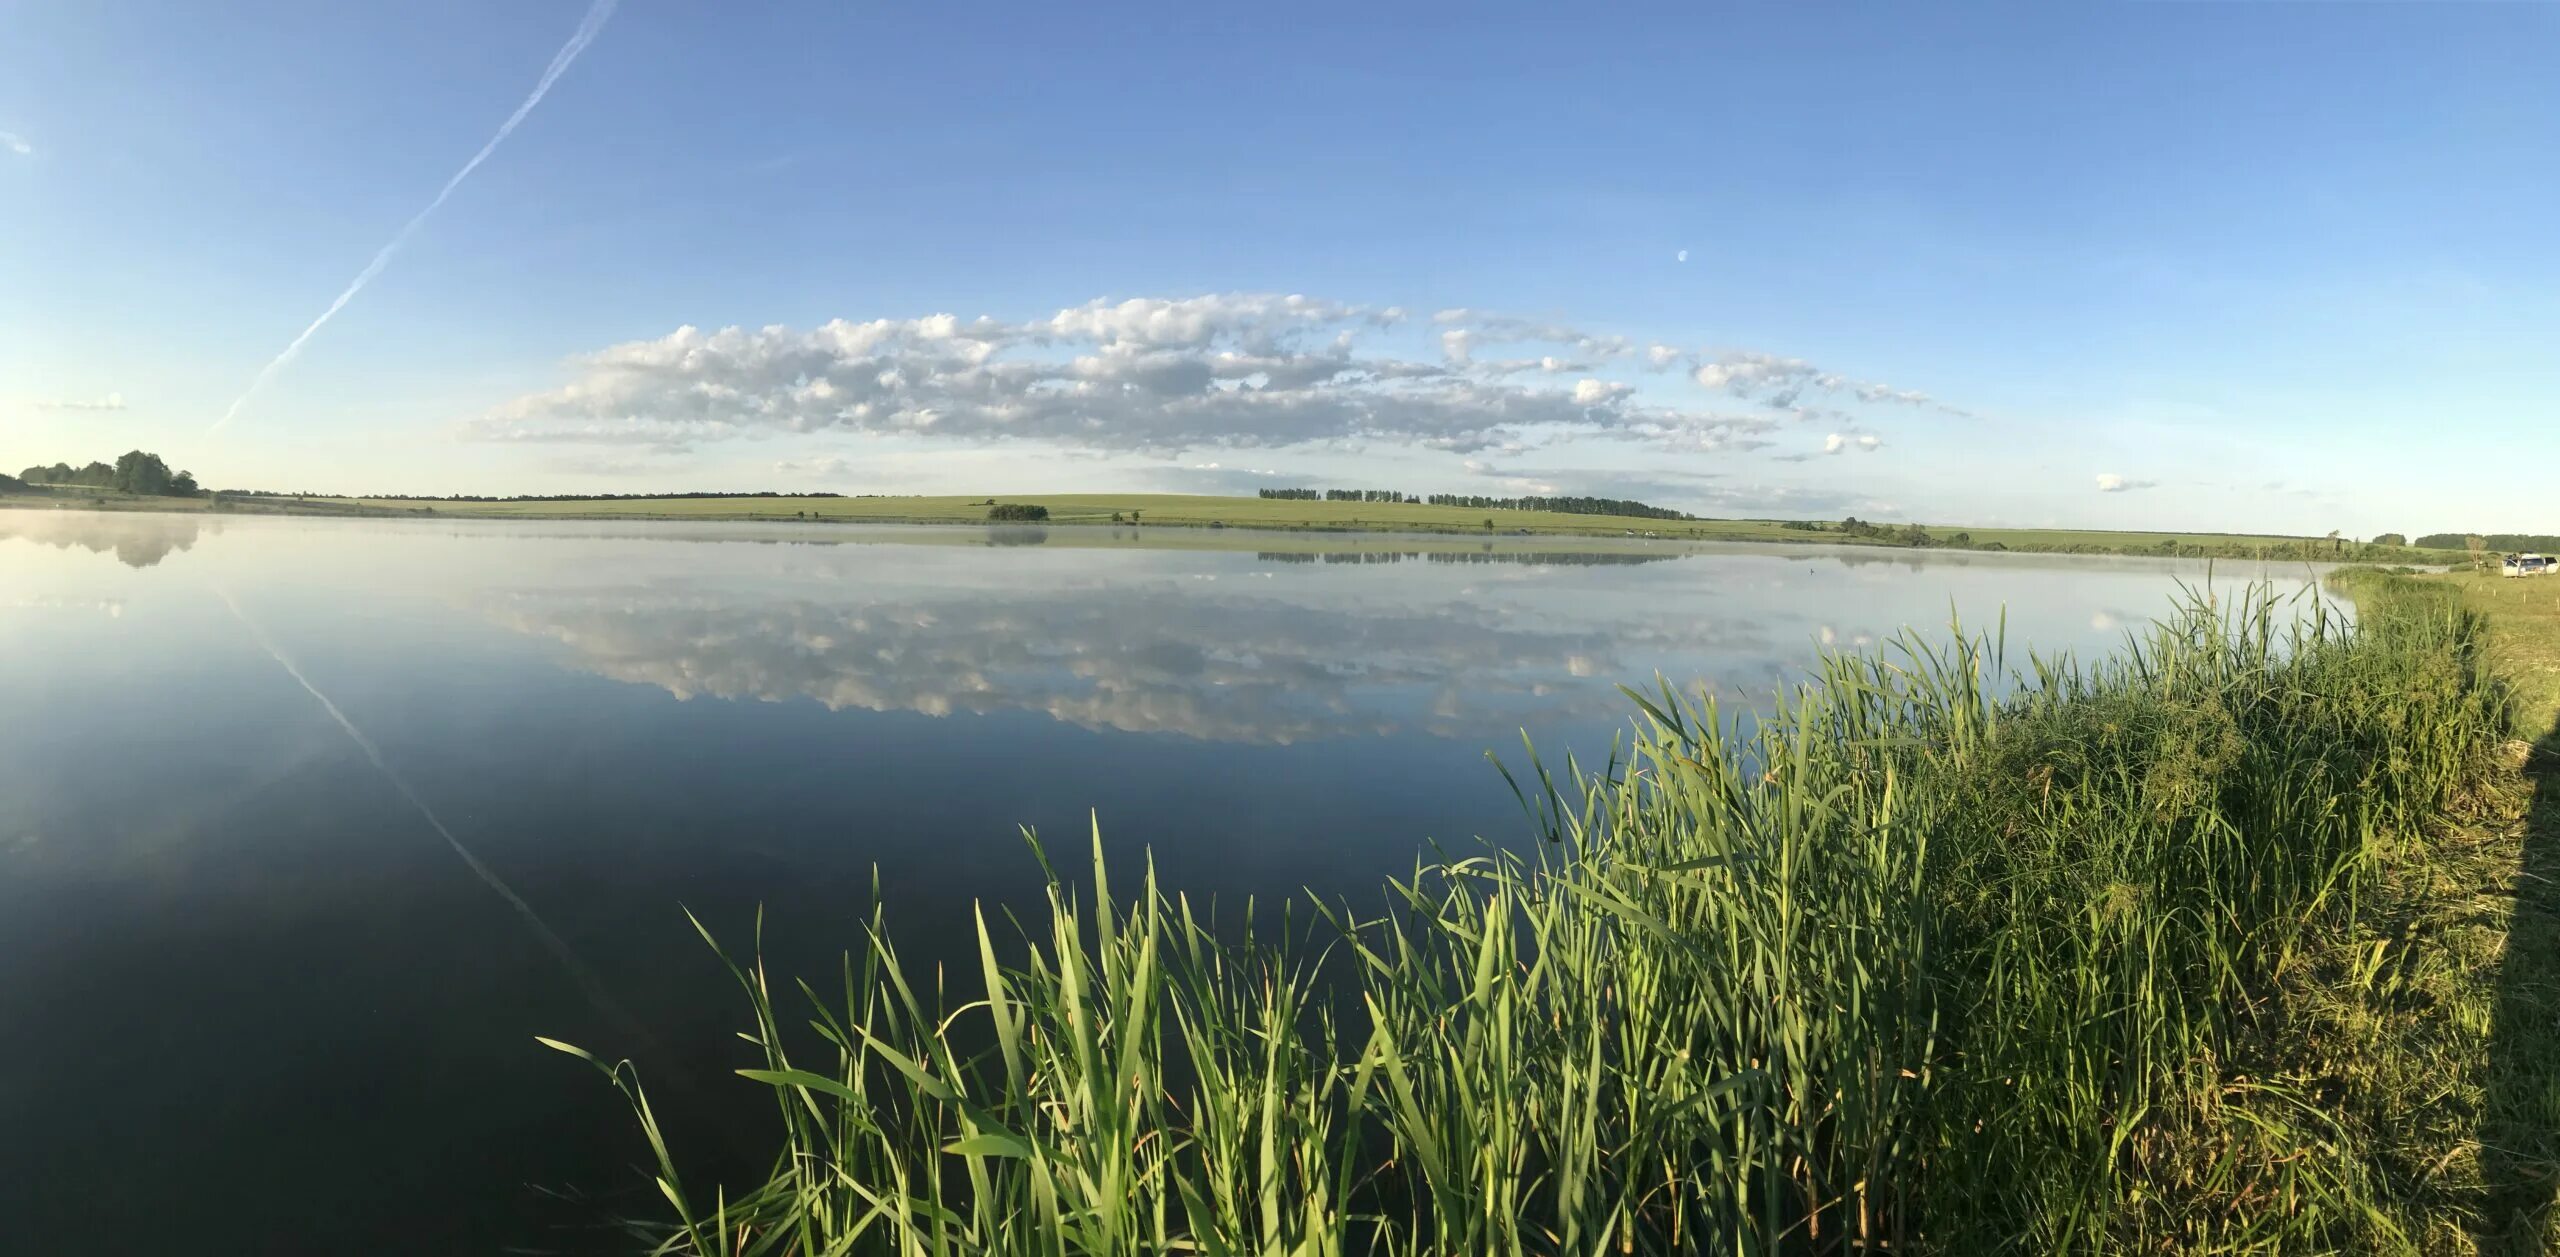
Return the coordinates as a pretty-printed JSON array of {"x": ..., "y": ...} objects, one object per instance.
[{"x": 1157, "y": 511}]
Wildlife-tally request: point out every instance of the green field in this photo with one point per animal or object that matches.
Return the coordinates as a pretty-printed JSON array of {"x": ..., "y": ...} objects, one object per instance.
[
  {"x": 1169, "y": 510},
  {"x": 1201, "y": 511},
  {"x": 2524, "y": 622}
]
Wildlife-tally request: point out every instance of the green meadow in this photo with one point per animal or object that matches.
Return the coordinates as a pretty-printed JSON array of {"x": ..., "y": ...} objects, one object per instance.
[{"x": 1202, "y": 511}]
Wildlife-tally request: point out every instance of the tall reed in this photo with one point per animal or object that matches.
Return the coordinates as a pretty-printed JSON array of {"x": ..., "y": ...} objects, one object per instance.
[{"x": 1933, "y": 956}]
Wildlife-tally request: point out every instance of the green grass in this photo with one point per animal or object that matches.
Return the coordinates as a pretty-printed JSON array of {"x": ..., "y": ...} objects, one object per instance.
[
  {"x": 2134, "y": 959},
  {"x": 1202, "y": 511},
  {"x": 1166, "y": 510}
]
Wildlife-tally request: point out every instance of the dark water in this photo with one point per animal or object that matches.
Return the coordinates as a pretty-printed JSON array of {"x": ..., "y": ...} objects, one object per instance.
[{"x": 251, "y": 1000}]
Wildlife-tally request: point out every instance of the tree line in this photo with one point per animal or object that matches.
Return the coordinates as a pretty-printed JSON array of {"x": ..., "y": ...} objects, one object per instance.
[
  {"x": 134, "y": 472},
  {"x": 2503, "y": 542},
  {"x": 1560, "y": 505},
  {"x": 1336, "y": 495}
]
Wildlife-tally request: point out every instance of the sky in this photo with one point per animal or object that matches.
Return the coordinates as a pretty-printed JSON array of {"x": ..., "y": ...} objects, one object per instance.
[{"x": 2286, "y": 267}]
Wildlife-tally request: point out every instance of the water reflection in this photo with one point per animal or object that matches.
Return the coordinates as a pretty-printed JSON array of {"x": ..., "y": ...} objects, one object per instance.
[
  {"x": 137, "y": 538},
  {"x": 1220, "y": 667},
  {"x": 756, "y": 722}
]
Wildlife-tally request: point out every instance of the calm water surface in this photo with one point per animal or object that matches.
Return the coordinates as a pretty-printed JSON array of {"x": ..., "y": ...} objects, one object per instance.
[{"x": 252, "y": 1000}]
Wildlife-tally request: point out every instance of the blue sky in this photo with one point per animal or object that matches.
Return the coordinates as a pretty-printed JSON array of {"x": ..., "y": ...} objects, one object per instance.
[{"x": 2199, "y": 266}]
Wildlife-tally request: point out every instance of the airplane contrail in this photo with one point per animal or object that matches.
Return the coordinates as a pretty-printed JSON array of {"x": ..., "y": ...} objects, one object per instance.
[{"x": 588, "y": 28}]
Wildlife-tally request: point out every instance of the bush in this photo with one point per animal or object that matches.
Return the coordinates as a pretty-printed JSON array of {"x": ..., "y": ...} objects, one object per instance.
[{"x": 1017, "y": 513}]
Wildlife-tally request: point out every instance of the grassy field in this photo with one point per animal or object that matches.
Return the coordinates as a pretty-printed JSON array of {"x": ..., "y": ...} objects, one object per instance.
[
  {"x": 1167, "y": 510},
  {"x": 2524, "y": 626},
  {"x": 1199, "y": 511},
  {"x": 2205, "y": 949}
]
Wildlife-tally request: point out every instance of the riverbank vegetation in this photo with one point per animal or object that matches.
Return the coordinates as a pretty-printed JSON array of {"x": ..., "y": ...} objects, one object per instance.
[
  {"x": 2196, "y": 949},
  {"x": 1167, "y": 510}
]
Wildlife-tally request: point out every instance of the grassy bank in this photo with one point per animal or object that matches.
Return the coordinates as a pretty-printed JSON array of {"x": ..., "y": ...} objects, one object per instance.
[
  {"x": 1166, "y": 510},
  {"x": 1203, "y": 511},
  {"x": 2149, "y": 955}
]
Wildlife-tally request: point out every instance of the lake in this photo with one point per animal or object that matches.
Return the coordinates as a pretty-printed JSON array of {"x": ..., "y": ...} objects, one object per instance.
[{"x": 308, "y": 827}]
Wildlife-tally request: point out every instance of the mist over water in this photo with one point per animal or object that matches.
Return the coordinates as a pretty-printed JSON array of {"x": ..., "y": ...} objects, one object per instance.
[{"x": 292, "y": 1009}]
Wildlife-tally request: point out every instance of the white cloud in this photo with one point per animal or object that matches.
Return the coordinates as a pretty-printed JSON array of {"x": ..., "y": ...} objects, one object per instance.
[
  {"x": 821, "y": 465},
  {"x": 1778, "y": 382},
  {"x": 17, "y": 144},
  {"x": 1218, "y": 371},
  {"x": 1488, "y": 327},
  {"x": 1681, "y": 256},
  {"x": 2109, "y": 482},
  {"x": 1659, "y": 356},
  {"x": 1863, "y": 442},
  {"x": 1888, "y": 393},
  {"x": 1753, "y": 374},
  {"x": 112, "y": 401}
]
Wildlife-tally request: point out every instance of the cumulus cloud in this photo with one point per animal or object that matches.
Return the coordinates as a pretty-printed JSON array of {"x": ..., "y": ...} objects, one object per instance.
[
  {"x": 17, "y": 144},
  {"x": 112, "y": 401},
  {"x": 1863, "y": 442},
  {"x": 1779, "y": 382},
  {"x": 824, "y": 465},
  {"x": 1888, "y": 393},
  {"x": 1488, "y": 327},
  {"x": 2109, "y": 482},
  {"x": 1238, "y": 370}
]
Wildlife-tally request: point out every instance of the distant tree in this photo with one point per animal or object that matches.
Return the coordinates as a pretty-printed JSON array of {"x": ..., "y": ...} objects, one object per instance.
[
  {"x": 11, "y": 484},
  {"x": 1488, "y": 523},
  {"x": 2391, "y": 539},
  {"x": 1115, "y": 517},
  {"x": 59, "y": 473},
  {"x": 1017, "y": 513},
  {"x": 183, "y": 485},
  {"x": 138, "y": 472}
]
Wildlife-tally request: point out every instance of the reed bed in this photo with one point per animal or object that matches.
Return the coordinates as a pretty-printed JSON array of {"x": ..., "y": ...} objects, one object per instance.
[{"x": 1936, "y": 956}]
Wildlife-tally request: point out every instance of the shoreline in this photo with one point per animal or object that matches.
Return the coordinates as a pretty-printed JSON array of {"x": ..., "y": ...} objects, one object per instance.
[{"x": 1211, "y": 515}]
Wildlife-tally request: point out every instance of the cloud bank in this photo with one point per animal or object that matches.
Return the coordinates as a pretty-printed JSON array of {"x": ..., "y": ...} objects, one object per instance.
[
  {"x": 1167, "y": 375},
  {"x": 112, "y": 401}
]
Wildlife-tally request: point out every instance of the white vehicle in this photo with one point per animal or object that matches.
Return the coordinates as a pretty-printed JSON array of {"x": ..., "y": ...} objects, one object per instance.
[{"x": 2528, "y": 565}]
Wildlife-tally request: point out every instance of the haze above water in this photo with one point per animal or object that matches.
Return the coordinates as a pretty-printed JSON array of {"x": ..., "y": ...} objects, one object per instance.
[{"x": 239, "y": 964}]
